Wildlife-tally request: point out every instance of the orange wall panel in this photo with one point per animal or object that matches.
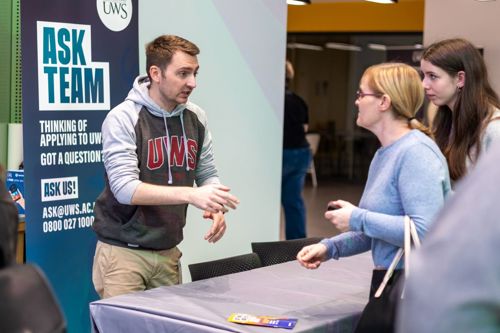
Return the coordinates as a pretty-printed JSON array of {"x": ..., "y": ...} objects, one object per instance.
[{"x": 357, "y": 17}]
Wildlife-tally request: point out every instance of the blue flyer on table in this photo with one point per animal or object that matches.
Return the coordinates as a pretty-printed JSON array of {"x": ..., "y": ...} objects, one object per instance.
[{"x": 267, "y": 321}]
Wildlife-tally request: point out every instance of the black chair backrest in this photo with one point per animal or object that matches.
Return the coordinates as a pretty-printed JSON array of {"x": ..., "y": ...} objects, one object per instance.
[
  {"x": 272, "y": 253},
  {"x": 27, "y": 302},
  {"x": 209, "y": 269}
]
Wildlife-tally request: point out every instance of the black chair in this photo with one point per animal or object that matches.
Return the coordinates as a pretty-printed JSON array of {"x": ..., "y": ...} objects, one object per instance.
[
  {"x": 272, "y": 253},
  {"x": 209, "y": 269},
  {"x": 27, "y": 303}
]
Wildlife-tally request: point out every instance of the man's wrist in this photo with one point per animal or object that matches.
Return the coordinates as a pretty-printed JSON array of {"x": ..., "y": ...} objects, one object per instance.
[{"x": 188, "y": 195}]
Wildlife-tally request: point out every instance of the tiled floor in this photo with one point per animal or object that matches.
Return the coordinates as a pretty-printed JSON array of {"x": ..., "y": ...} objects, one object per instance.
[{"x": 316, "y": 200}]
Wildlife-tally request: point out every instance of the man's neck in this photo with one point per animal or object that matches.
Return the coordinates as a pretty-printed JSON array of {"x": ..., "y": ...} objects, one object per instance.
[{"x": 155, "y": 96}]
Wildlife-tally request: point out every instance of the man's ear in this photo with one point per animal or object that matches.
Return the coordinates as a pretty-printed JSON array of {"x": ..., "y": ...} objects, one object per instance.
[
  {"x": 460, "y": 79},
  {"x": 155, "y": 73}
]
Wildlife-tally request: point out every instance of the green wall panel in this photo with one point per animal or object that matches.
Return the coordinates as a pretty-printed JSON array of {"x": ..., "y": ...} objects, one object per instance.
[
  {"x": 5, "y": 58},
  {"x": 15, "y": 77},
  {"x": 10, "y": 71}
]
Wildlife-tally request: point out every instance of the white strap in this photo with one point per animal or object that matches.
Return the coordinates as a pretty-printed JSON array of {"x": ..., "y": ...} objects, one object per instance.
[
  {"x": 407, "y": 245},
  {"x": 389, "y": 272},
  {"x": 410, "y": 233},
  {"x": 414, "y": 234}
]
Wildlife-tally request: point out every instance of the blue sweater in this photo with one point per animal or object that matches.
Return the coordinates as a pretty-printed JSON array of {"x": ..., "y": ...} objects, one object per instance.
[{"x": 408, "y": 177}]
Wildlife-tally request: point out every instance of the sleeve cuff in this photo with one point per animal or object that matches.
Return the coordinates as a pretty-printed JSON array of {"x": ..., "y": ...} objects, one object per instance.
[
  {"x": 331, "y": 249},
  {"x": 356, "y": 222},
  {"x": 125, "y": 194},
  {"x": 211, "y": 180}
]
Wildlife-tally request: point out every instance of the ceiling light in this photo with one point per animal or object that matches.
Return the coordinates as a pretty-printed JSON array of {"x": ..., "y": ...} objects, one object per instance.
[
  {"x": 304, "y": 46},
  {"x": 298, "y": 2},
  {"x": 343, "y": 46},
  {"x": 383, "y": 1},
  {"x": 377, "y": 47},
  {"x": 381, "y": 47}
]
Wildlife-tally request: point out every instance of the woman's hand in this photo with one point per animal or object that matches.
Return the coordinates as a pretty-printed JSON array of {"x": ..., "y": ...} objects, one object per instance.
[
  {"x": 340, "y": 216},
  {"x": 311, "y": 256}
]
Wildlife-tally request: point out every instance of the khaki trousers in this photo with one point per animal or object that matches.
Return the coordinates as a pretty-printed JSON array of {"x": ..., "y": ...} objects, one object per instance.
[{"x": 118, "y": 270}]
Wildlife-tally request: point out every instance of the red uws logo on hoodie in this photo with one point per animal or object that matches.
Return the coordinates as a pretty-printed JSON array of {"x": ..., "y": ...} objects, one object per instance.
[{"x": 157, "y": 149}]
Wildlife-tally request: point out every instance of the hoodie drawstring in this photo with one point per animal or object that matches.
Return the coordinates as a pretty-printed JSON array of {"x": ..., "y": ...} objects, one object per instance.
[
  {"x": 185, "y": 141},
  {"x": 167, "y": 146}
]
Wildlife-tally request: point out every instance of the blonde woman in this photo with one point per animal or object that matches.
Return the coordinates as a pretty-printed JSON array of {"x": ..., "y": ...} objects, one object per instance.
[{"x": 408, "y": 175}]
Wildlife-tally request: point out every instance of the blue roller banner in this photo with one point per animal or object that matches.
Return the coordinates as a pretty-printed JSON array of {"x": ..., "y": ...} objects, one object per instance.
[{"x": 79, "y": 59}]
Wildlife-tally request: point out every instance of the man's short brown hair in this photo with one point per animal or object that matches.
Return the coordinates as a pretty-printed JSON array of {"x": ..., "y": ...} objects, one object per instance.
[{"x": 159, "y": 52}]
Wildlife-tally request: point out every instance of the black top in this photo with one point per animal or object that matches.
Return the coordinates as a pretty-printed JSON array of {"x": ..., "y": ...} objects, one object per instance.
[
  {"x": 296, "y": 116},
  {"x": 8, "y": 227}
]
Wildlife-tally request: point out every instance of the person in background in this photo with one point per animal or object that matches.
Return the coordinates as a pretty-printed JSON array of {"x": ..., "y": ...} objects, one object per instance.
[
  {"x": 466, "y": 122},
  {"x": 296, "y": 159},
  {"x": 156, "y": 144},
  {"x": 9, "y": 221},
  {"x": 408, "y": 175},
  {"x": 454, "y": 285}
]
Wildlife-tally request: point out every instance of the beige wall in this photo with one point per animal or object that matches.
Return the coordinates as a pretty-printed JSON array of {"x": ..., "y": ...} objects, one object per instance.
[{"x": 476, "y": 21}]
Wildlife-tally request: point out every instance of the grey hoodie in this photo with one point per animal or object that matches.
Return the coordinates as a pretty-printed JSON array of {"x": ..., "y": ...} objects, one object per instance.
[{"x": 138, "y": 135}]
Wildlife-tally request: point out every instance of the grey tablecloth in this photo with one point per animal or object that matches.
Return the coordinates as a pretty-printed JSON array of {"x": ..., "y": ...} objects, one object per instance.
[{"x": 328, "y": 299}]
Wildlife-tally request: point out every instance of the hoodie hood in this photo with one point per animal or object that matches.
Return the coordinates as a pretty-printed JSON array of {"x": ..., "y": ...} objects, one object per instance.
[{"x": 140, "y": 94}]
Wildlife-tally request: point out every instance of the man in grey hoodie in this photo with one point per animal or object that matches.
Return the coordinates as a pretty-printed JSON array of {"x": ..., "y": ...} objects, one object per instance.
[{"x": 156, "y": 144}]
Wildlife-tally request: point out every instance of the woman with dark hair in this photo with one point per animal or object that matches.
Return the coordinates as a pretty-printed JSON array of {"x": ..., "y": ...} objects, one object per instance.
[{"x": 456, "y": 80}]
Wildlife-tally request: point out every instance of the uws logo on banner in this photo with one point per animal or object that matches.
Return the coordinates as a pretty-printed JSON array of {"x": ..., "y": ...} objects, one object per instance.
[
  {"x": 68, "y": 79},
  {"x": 115, "y": 14}
]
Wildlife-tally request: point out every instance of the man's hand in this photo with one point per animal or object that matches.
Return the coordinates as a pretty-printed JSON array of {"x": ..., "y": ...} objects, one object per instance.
[
  {"x": 213, "y": 198},
  {"x": 218, "y": 226}
]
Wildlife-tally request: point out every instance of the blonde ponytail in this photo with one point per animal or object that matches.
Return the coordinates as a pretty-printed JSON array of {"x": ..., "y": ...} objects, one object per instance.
[{"x": 414, "y": 123}]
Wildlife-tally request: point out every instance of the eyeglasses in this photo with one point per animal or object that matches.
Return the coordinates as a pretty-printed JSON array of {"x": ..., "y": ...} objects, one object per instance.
[{"x": 360, "y": 94}]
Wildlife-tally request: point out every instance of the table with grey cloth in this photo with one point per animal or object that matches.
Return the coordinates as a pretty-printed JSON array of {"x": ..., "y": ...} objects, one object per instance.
[{"x": 328, "y": 299}]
